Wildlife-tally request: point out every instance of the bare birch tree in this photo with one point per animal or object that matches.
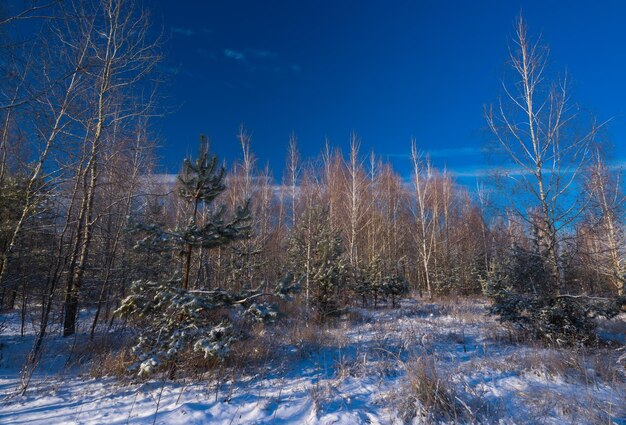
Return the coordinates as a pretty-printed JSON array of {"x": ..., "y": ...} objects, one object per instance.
[
  {"x": 356, "y": 206},
  {"x": 121, "y": 56},
  {"x": 64, "y": 83},
  {"x": 608, "y": 202},
  {"x": 534, "y": 125},
  {"x": 293, "y": 172},
  {"x": 425, "y": 220}
]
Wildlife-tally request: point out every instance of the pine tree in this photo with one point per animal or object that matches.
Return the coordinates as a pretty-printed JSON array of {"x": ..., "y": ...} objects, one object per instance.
[
  {"x": 360, "y": 284},
  {"x": 317, "y": 259},
  {"x": 517, "y": 286},
  {"x": 13, "y": 190},
  {"x": 395, "y": 286},
  {"x": 375, "y": 279},
  {"x": 171, "y": 317}
]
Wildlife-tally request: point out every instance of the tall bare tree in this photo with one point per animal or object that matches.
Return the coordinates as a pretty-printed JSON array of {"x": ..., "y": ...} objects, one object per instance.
[
  {"x": 608, "y": 205},
  {"x": 293, "y": 172},
  {"x": 121, "y": 56},
  {"x": 425, "y": 217},
  {"x": 62, "y": 81},
  {"x": 534, "y": 124},
  {"x": 356, "y": 205}
]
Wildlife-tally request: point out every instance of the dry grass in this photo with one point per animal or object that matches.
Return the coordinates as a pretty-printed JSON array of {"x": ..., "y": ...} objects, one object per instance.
[
  {"x": 112, "y": 363},
  {"x": 260, "y": 348},
  {"x": 306, "y": 337},
  {"x": 580, "y": 408},
  {"x": 105, "y": 355},
  {"x": 430, "y": 395},
  {"x": 589, "y": 367},
  {"x": 357, "y": 316},
  {"x": 466, "y": 310},
  {"x": 322, "y": 393}
]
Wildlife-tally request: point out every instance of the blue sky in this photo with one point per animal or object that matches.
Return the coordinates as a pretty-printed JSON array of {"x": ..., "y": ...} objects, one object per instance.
[{"x": 387, "y": 70}]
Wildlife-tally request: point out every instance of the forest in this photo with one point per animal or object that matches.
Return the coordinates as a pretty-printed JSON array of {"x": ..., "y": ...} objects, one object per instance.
[{"x": 133, "y": 277}]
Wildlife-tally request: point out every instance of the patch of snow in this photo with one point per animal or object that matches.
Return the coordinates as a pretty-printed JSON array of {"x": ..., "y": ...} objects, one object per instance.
[{"x": 358, "y": 377}]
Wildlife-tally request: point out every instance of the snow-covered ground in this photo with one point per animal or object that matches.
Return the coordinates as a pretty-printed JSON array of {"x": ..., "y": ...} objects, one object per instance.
[{"x": 421, "y": 363}]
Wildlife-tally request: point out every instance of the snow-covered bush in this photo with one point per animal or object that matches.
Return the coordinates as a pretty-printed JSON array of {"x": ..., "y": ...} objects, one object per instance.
[
  {"x": 522, "y": 295},
  {"x": 172, "y": 320}
]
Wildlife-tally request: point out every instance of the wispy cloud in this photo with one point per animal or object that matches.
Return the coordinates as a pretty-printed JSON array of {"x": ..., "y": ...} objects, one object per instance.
[
  {"x": 190, "y": 32},
  {"x": 234, "y": 54},
  {"x": 174, "y": 69},
  {"x": 512, "y": 171},
  {"x": 260, "y": 60},
  {"x": 261, "y": 54},
  {"x": 480, "y": 171},
  {"x": 619, "y": 164},
  {"x": 443, "y": 153},
  {"x": 171, "y": 69},
  {"x": 452, "y": 152}
]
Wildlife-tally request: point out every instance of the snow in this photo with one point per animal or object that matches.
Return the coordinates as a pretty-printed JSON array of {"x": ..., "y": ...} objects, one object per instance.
[{"x": 358, "y": 372}]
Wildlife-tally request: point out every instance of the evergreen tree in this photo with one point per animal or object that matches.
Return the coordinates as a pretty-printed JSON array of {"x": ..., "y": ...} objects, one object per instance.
[
  {"x": 21, "y": 250},
  {"x": 11, "y": 204},
  {"x": 520, "y": 296},
  {"x": 375, "y": 279},
  {"x": 395, "y": 286},
  {"x": 171, "y": 317},
  {"x": 360, "y": 284},
  {"x": 317, "y": 260}
]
